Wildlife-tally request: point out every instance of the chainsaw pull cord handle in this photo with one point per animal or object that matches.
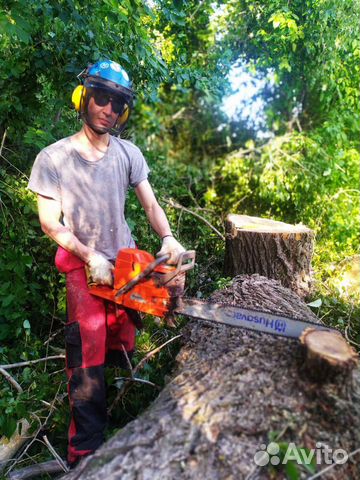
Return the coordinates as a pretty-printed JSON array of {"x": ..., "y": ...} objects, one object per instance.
[{"x": 149, "y": 269}]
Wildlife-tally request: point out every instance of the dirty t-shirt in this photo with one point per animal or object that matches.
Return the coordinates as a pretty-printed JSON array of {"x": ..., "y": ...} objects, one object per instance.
[{"x": 92, "y": 194}]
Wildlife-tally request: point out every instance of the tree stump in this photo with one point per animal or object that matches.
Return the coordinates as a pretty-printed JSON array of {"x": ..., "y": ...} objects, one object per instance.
[
  {"x": 231, "y": 391},
  {"x": 274, "y": 249}
]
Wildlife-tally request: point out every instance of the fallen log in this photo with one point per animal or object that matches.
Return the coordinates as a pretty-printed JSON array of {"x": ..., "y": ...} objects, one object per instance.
[
  {"x": 231, "y": 392},
  {"x": 10, "y": 446},
  {"x": 36, "y": 470},
  {"x": 274, "y": 249}
]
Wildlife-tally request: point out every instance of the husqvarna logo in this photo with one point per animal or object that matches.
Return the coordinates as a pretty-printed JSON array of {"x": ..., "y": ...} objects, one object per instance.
[{"x": 104, "y": 65}]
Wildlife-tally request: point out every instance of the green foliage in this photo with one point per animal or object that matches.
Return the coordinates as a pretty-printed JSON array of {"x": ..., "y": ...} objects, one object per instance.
[
  {"x": 308, "y": 178},
  {"x": 26, "y": 311},
  {"x": 297, "y": 177},
  {"x": 45, "y": 44},
  {"x": 312, "y": 49},
  {"x": 26, "y": 259}
]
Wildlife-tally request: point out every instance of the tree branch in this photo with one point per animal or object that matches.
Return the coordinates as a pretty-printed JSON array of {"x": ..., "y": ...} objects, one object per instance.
[
  {"x": 133, "y": 371},
  {"x": 57, "y": 457},
  {"x": 12, "y": 380},
  {"x": 139, "y": 380},
  {"x": 31, "y": 362},
  {"x": 174, "y": 204},
  {"x": 152, "y": 353},
  {"x": 36, "y": 470}
]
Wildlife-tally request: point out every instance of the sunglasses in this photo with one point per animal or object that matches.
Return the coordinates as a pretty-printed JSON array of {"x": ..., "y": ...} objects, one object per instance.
[{"x": 102, "y": 98}]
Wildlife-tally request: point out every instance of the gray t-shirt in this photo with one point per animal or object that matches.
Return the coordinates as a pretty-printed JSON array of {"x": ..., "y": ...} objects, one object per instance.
[{"x": 92, "y": 194}]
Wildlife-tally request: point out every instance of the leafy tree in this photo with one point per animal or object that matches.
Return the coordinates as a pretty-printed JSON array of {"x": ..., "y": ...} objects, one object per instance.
[
  {"x": 45, "y": 44},
  {"x": 312, "y": 48}
]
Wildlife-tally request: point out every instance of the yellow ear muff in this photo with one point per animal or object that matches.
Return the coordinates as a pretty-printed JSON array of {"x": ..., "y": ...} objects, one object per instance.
[
  {"x": 77, "y": 95},
  {"x": 123, "y": 118}
]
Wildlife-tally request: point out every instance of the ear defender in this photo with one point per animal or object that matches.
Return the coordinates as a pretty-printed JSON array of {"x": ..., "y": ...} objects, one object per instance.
[
  {"x": 123, "y": 118},
  {"x": 77, "y": 96}
]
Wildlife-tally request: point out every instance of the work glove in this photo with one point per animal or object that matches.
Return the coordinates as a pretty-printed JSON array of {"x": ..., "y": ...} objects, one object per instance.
[
  {"x": 100, "y": 269},
  {"x": 171, "y": 246}
]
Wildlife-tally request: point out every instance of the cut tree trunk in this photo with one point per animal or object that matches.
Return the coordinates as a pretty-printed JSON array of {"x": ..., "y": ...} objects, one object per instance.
[
  {"x": 231, "y": 391},
  {"x": 273, "y": 249}
]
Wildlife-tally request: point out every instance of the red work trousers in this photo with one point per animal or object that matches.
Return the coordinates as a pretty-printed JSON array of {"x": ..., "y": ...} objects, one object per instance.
[{"x": 95, "y": 332}]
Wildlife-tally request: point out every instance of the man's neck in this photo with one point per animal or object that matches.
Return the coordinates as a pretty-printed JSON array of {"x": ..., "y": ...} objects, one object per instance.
[
  {"x": 99, "y": 141},
  {"x": 91, "y": 145}
]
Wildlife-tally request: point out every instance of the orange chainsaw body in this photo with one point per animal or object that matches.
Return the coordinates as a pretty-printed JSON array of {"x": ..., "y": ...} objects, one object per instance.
[{"x": 151, "y": 294}]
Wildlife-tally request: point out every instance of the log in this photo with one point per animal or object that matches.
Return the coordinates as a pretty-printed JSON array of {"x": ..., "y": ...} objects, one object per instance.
[
  {"x": 232, "y": 389},
  {"x": 9, "y": 447},
  {"x": 36, "y": 470},
  {"x": 270, "y": 248}
]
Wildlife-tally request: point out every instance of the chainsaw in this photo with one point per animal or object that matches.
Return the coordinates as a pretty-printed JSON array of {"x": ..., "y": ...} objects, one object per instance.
[{"x": 149, "y": 285}]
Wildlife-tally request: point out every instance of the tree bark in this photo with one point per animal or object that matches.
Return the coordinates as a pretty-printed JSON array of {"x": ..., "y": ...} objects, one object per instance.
[
  {"x": 9, "y": 447},
  {"x": 233, "y": 390},
  {"x": 36, "y": 470},
  {"x": 274, "y": 249}
]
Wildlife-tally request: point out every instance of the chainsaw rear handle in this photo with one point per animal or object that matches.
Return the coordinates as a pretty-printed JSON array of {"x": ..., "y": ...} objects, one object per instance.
[{"x": 180, "y": 267}]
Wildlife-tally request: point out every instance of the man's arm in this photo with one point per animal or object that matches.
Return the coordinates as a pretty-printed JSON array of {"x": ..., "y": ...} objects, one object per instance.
[
  {"x": 154, "y": 212},
  {"x": 158, "y": 221},
  {"x": 49, "y": 215}
]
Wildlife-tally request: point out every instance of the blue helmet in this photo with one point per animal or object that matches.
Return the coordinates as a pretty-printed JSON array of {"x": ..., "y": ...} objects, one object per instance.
[{"x": 111, "y": 76}]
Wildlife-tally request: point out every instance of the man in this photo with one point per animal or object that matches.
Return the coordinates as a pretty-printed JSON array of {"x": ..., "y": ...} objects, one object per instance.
[{"x": 81, "y": 183}]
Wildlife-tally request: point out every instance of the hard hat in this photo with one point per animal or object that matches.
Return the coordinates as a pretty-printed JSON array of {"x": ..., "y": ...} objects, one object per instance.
[{"x": 111, "y": 77}]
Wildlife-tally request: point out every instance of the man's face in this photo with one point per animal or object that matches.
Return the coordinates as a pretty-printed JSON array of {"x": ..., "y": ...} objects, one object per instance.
[{"x": 103, "y": 110}]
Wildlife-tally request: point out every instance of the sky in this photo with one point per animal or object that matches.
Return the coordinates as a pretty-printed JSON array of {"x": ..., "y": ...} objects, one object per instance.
[{"x": 241, "y": 104}]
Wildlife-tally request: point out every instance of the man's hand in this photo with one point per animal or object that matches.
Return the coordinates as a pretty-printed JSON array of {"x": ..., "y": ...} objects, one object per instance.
[
  {"x": 171, "y": 246},
  {"x": 100, "y": 269}
]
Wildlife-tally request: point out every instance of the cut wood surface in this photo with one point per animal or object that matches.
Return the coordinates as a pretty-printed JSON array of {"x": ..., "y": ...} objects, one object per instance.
[
  {"x": 274, "y": 249},
  {"x": 230, "y": 391},
  {"x": 327, "y": 353}
]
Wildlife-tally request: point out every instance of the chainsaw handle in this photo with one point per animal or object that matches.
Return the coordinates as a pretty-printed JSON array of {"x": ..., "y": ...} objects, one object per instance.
[
  {"x": 188, "y": 255},
  {"x": 149, "y": 269},
  {"x": 182, "y": 266}
]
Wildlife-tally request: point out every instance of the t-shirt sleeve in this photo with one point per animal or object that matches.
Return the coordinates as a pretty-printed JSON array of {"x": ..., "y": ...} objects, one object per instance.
[
  {"x": 139, "y": 169},
  {"x": 44, "y": 178}
]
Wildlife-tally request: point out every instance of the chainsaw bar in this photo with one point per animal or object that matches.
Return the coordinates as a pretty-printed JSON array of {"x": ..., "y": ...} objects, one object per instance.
[{"x": 233, "y": 315}]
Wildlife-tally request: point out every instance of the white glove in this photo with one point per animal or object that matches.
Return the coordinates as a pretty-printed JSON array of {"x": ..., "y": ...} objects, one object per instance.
[
  {"x": 171, "y": 246},
  {"x": 100, "y": 269}
]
